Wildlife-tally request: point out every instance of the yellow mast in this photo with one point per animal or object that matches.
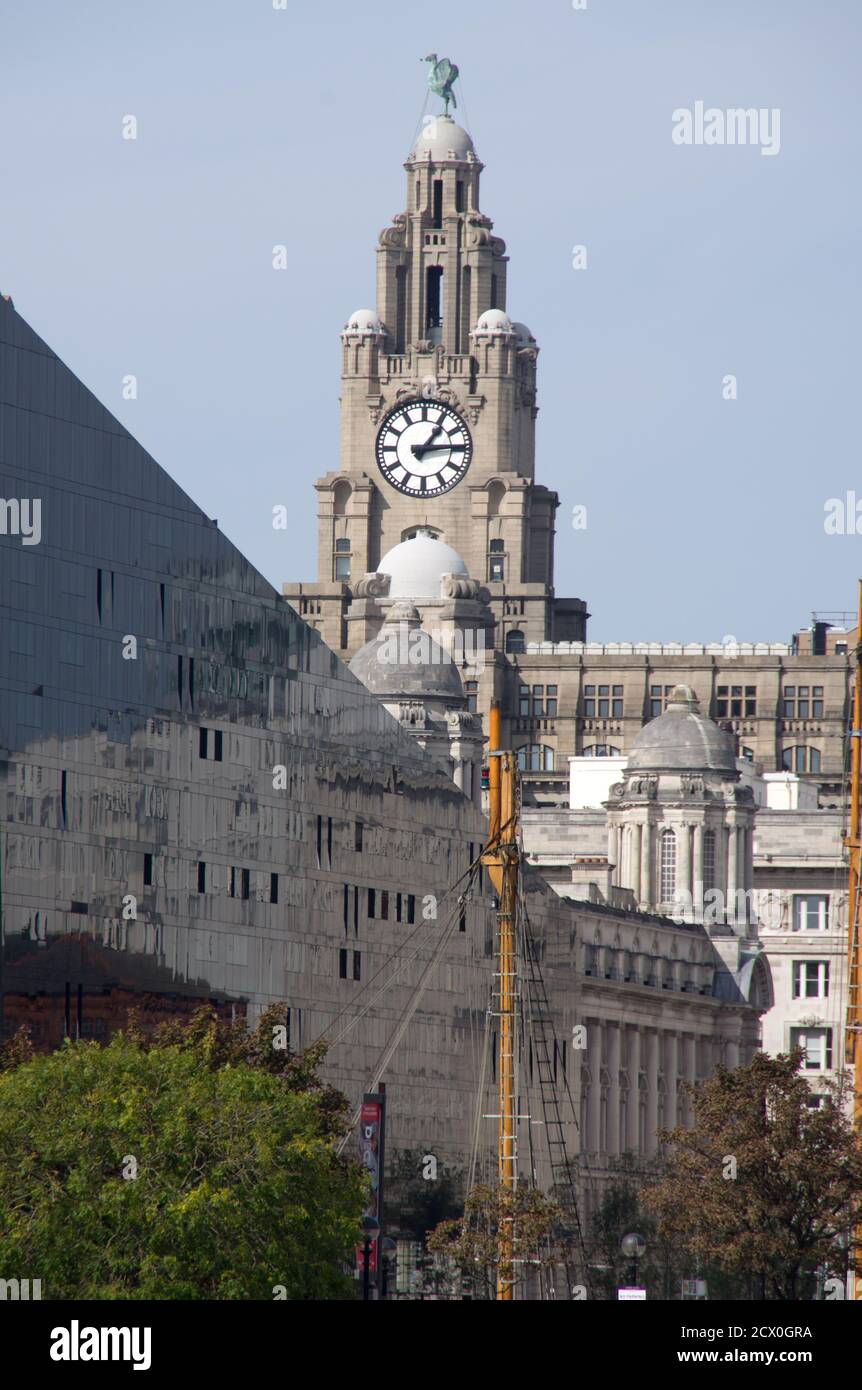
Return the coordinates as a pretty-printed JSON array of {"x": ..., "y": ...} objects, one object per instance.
[
  {"x": 853, "y": 1035},
  {"x": 501, "y": 860}
]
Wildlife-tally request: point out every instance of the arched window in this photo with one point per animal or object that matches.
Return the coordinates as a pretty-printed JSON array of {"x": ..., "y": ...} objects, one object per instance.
[
  {"x": 536, "y": 757},
  {"x": 801, "y": 758},
  {"x": 341, "y": 498},
  {"x": 431, "y": 533},
  {"x": 667, "y": 866},
  {"x": 601, "y": 750},
  {"x": 708, "y": 860},
  {"x": 515, "y": 642}
]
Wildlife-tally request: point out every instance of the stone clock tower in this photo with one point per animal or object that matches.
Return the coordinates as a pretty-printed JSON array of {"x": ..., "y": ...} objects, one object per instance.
[{"x": 438, "y": 420}]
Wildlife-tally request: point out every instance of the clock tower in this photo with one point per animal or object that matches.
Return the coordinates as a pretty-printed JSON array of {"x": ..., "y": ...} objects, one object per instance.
[{"x": 438, "y": 420}]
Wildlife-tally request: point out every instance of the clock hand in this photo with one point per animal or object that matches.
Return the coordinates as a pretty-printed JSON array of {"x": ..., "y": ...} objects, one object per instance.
[{"x": 418, "y": 450}]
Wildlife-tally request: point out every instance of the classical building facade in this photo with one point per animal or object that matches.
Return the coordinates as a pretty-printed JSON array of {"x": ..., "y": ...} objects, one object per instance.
[{"x": 439, "y": 399}]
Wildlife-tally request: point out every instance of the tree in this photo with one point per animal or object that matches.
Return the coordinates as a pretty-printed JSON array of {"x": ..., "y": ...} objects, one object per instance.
[
  {"x": 472, "y": 1242},
  {"x": 665, "y": 1264},
  {"x": 418, "y": 1197},
  {"x": 195, "y": 1164},
  {"x": 763, "y": 1186}
]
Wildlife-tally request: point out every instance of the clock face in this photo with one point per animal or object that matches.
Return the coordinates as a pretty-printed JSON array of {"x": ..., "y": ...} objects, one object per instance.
[{"x": 423, "y": 448}]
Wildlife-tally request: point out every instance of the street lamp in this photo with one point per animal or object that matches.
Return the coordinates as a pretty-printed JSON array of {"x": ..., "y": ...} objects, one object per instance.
[
  {"x": 633, "y": 1247},
  {"x": 371, "y": 1229}
]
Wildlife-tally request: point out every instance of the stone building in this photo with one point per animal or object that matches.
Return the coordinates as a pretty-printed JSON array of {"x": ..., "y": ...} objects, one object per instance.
[{"x": 439, "y": 399}]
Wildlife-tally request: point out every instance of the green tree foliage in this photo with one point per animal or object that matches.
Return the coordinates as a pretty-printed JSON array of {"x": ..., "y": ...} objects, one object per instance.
[
  {"x": 237, "y": 1187},
  {"x": 762, "y": 1186},
  {"x": 664, "y": 1265}
]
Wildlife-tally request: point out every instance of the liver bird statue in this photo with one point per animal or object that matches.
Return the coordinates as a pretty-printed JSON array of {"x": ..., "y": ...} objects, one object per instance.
[{"x": 442, "y": 77}]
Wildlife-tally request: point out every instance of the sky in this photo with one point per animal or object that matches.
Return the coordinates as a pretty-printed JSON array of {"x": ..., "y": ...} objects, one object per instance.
[{"x": 706, "y": 516}]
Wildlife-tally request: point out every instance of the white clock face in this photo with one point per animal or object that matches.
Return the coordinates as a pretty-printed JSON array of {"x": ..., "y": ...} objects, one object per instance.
[{"x": 423, "y": 448}]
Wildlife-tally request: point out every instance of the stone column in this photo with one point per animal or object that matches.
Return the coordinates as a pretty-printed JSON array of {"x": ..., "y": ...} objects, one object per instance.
[
  {"x": 594, "y": 1099},
  {"x": 697, "y": 886},
  {"x": 732, "y": 870},
  {"x": 652, "y": 1038},
  {"x": 671, "y": 1073},
  {"x": 634, "y": 877},
  {"x": 720, "y": 858},
  {"x": 613, "y": 852},
  {"x": 646, "y": 866},
  {"x": 634, "y": 1091},
  {"x": 614, "y": 1146}
]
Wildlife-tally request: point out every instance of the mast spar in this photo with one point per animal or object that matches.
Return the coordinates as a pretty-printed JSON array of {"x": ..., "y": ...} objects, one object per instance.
[
  {"x": 853, "y": 843},
  {"x": 502, "y": 862}
]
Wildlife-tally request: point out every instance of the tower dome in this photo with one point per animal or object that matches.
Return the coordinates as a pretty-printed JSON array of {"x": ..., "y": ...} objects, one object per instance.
[
  {"x": 404, "y": 662},
  {"x": 416, "y": 567},
  {"x": 682, "y": 739},
  {"x": 523, "y": 334},
  {"x": 494, "y": 321},
  {"x": 363, "y": 321},
  {"x": 441, "y": 139}
]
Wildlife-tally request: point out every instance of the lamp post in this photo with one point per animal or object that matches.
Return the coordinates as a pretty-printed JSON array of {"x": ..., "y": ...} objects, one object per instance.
[
  {"x": 371, "y": 1229},
  {"x": 633, "y": 1247}
]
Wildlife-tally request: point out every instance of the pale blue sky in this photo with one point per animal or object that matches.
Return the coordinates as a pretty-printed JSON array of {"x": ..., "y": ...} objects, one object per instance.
[{"x": 259, "y": 126}]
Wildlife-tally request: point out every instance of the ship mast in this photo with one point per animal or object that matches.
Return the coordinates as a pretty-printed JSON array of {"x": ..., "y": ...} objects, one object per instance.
[
  {"x": 853, "y": 843},
  {"x": 502, "y": 861}
]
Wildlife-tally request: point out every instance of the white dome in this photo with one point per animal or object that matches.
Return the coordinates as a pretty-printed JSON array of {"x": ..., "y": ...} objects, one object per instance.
[
  {"x": 363, "y": 321},
  {"x": 441, "y": 139},
  {"x": 416, "y": 566},
  {"x": 523, "y": 334},
  {"x": 494, "y": 321}
]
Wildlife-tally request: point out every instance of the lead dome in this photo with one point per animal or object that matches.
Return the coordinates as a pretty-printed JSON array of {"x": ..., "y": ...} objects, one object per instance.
[
  {"x": 416, "y": 567},
  {"x": 682, "y": 739},
  {"x": 494, "y": 321},
  {"x": 441, "y": 139},
  {"x": 363, "y": 321}
]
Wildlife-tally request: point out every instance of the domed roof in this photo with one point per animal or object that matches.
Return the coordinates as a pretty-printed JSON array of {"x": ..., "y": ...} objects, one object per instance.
[
  {"x": 441, "y": 139},
  {"x": 416, "y": 566},
  {"x": 403, "y": 661},
  {"x": 523, "y": 334},
  {"x": 363, "y": 321},
  {"x": 682, "y": 738},
  {"x": 494, "y": 321}
]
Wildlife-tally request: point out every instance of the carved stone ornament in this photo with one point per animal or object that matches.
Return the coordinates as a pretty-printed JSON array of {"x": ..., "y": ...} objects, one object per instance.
[
  {"x": 458, "y": 586},
  {"x": 393, "y": 237},
  {"x": 372, "y": 586}
]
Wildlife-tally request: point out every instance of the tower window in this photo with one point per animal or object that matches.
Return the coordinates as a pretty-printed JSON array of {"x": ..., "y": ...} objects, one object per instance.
[
  {"x": 459, "y": 196},
  {"x": 434, "y": 298},
  {"x": 342, "y": 560},
  {"x": 437, "y": 220},
  {"x": 515, "y": 642},
  {"x": 494, "y": 304},
  {"x": 496, "y": 561},
  {"x": 471, "y": 690}
]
